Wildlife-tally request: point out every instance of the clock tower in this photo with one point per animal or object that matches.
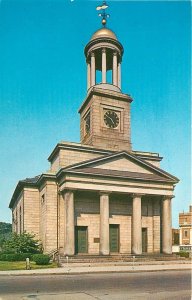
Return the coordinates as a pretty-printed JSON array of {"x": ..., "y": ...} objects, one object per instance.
[
  {"x": 105, "y": 113},
  {"x": 99, "y": 197}
]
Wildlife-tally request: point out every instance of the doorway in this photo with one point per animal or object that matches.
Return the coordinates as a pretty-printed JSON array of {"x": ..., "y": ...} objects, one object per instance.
[
  {"x": 81, "y": 239},
  {"x": 114, "y": 237},
  {"x": 144, "y": 240}
]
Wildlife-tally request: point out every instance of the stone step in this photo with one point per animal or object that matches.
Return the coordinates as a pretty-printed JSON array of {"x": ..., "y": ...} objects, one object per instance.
[{"x": 116, "y": 258}]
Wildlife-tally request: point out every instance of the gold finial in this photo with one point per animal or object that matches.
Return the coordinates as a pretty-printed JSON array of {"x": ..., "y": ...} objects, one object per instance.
[{"x": 104, "y": 16}]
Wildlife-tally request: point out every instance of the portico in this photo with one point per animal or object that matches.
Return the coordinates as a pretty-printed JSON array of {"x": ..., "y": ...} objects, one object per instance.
[
  {"x": 96, "y": 195},
  {"x": 132, "y": 215}
]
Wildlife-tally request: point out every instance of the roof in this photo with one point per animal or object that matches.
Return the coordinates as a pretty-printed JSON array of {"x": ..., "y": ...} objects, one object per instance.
[
  {"x": 88, "y": 148},
  {"x": 27, "y": 182},
  {"x": 77, "y": 147},
  {"x": 104, "y": 33},
  {"x": 122, "y": 174},
  {"x": 91, "y": 167},
  {"x": 32, "y": 180}
]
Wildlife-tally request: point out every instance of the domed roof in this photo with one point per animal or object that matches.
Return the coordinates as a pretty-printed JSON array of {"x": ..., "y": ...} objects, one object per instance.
[{"x": 104, "y": 33}]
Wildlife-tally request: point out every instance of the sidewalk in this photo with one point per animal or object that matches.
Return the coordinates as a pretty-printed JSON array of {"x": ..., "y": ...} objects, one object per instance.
[{"x": 88, "y": 268}]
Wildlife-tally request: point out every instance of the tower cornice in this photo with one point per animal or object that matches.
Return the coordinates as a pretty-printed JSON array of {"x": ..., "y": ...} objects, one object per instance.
[
  {"x": 107, "y": 93},
  {"x": 101, "y": 40}
]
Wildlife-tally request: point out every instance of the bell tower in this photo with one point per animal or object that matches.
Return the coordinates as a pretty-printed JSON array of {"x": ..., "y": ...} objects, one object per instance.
[{"x": 105, "y": 113}]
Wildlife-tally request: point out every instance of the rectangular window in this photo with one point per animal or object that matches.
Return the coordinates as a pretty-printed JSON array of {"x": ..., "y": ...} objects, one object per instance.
[{"x": 185, "y": 233}]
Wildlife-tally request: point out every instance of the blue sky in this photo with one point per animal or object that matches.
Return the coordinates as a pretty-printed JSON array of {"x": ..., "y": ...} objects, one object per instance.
[{"x": 43, "y": 83}]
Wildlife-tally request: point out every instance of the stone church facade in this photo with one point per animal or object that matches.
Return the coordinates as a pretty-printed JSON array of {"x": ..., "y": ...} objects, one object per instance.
[{"x": 99, "y": 196}]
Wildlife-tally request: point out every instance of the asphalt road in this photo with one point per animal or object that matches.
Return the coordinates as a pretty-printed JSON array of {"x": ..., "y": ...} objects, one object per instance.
[{"x": 108, "y": 286}]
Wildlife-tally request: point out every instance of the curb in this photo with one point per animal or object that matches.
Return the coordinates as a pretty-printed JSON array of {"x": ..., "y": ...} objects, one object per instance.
[{"x": 92, "y": 272}]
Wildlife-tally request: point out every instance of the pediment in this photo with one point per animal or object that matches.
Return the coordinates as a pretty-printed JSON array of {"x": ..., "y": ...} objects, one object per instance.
[{"x": 122, "y": 164}]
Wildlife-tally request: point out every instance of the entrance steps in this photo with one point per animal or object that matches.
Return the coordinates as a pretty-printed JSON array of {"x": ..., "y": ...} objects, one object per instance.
[{"x": 80, "y": 258}]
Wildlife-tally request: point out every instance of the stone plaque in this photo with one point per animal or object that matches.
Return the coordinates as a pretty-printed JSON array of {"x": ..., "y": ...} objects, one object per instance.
[{"x": 96, "y": 240}]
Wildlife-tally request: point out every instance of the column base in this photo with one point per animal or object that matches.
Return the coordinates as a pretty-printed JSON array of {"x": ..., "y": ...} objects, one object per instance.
[
  {"x": 136, "y": 251},
  {"x": 69, "y": 252},
  {"x": 104, "y": 252},
  {"x": 167, "y": 252}
]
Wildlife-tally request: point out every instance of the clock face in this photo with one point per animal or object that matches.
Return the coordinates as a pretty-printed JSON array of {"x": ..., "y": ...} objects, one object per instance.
[
  {"x": 87, "y": 123},
  {"x": 111, "y": 119}
]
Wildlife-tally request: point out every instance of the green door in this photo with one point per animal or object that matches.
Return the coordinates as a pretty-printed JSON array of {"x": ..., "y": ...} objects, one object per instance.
[
  {"x": 81, "y": 239},
  {"x": 114, "y": 237},
  {"x": 144, "y": 240}
]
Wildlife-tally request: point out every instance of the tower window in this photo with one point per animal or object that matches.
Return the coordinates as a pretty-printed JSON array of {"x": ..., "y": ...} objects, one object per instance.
[{"x": 87, "y": 123}]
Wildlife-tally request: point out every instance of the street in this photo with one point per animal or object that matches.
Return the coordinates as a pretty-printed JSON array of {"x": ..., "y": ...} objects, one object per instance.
[{"x": 109, "y": 286}]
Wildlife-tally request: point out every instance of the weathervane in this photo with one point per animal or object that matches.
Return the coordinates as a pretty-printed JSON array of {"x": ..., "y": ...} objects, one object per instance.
[{"x": 103, "y": 14}]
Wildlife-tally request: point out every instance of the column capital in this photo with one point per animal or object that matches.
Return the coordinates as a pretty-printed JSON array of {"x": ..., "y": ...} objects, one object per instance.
[
  {"x": 104, "y": 193},
  {"x": 104, "y": 50},
  {"x": 139, "y": 195},
  {"x": 67, "y": 191},
  {"x": 168, "y": 197},
  {"x": 115, "y": 53},
  {"x": 93, "y": 54}
]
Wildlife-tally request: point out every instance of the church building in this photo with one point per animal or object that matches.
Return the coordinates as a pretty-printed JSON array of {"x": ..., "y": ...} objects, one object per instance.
[{"x": 100, "y": 196}]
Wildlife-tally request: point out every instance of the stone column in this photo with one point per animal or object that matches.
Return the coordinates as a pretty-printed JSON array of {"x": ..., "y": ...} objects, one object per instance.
[
  {"x": 166, "y": 225},
  {"x": 69, "y": 238},
  {"x": 190, "y": 236},
  {"x": 136, "y": 225},
  {"x": 114, "y": 68},
  {"x": 180, "y": 236},
  {"x": 88, "y": 75},
  {"x": 104, "y": 224},
  {"x": 104, "y": 65},
  {"x": 119, "y": 75},
  {"x": 92, "y": 68}
]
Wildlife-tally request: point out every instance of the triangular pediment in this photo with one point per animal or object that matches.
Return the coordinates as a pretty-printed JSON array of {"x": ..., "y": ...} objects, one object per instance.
[{"x": 122, "y": 164}]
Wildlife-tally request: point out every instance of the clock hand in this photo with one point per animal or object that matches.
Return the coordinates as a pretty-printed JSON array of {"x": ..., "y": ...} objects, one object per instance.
[{"x": 111, "y": 119}]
